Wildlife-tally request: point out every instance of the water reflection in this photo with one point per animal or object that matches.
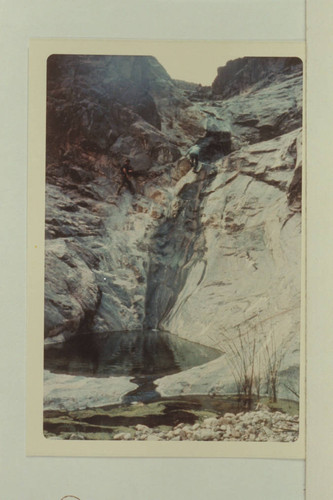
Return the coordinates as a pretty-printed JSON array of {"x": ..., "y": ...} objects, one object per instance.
[{"x": 136, "y": 353}]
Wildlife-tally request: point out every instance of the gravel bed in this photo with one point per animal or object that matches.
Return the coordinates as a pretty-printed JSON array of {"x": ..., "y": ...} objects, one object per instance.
[{"x": 260, "y": 425}]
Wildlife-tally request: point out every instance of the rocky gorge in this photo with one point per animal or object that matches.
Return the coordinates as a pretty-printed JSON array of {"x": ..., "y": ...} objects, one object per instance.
[{"x": 213, "y": 257}]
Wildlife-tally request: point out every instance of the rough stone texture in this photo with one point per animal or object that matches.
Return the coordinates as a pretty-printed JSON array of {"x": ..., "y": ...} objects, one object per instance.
[
  {"x": 213, "y": 257},
  {"x": 251, "y": 73},
  {"x": 99, "y": 111},
  {"x": 71, "y": 392},
  {"x": 261, "y": 425},
  {"x": 104, "y": 105},
  {"x": 245, "y": 274},
  {"x": 73, "y": 299}
]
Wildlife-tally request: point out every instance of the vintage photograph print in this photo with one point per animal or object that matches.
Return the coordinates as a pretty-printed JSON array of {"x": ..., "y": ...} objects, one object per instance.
[{"x": 173, "y": 250}]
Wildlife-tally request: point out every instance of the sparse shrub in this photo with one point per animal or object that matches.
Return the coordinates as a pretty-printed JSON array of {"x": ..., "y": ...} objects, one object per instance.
[{"x": 255, "y": 358}]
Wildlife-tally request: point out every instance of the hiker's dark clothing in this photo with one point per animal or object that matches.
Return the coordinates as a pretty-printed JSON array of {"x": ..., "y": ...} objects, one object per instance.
[
  {"x": 126, "y": 172},
  {"x": 194, "y": 159},
  {"x": 193, "y": 153}
]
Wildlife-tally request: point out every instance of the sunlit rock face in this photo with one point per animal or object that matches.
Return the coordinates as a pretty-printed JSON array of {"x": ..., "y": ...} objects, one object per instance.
[{"x": 212, "y": 256}]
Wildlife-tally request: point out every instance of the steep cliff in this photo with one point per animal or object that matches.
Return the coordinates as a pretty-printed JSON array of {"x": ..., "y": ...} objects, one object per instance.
[
  {"x": 252, "y": 73},
  {"x": 99, "y": 110},
  {"x": 214, "y": 257}
]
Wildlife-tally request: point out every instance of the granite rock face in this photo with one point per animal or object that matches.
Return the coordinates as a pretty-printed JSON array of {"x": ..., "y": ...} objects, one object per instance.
[
  {"x": 252, "y": 73},
  {"x": 71, "y": 392},
  {"x": 213, "y": 256},
  {"x": 105, "y": 104}
]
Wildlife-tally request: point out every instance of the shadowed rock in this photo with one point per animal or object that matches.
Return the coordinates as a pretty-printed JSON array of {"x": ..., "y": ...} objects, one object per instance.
[
  {"x": 252, "y": 73},
  {"x": 199, "y": 254}
]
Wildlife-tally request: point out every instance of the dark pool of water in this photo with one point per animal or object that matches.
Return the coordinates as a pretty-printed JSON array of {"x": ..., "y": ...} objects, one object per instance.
[{"x": 144, "y": 355}]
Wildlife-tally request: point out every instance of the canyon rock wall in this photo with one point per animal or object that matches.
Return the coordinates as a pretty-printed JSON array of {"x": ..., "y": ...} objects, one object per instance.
[
  {"x": 213, "y": 256},
  {"x": 252, "y": 73}
]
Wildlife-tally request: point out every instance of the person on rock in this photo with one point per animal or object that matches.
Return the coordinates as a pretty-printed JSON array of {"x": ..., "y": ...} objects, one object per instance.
[
  {"x": 126, "y": 173},
  {"x": 193, "y": 153}
]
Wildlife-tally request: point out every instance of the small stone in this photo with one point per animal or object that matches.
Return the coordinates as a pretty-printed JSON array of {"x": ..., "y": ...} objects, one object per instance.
[
  {"x": 76, "y": 436},
  {"x": 211, "y": 422},
  {"x": 142, "y": 428},
  {"x": 262, "y": 437},
  {"x": 183, "y": 434},
  {"x": 119, "y": 436},
  {"x": 153, "y": 437},
  {"x": 204, "y": 435},
  {"x": 289, "y": 438},
  {"x": 267, "y": 431},
  {"x": 257, "y": 419}
]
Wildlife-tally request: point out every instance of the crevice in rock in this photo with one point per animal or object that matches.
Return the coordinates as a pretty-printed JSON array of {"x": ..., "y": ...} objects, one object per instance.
[
  {"x": 295, "y": 190},
  {"x": 176, "y": 246},
  {"x": 282, "y": 186},
  {"x": 214, "y": 146},
  {"x": 88, "y": 318}
]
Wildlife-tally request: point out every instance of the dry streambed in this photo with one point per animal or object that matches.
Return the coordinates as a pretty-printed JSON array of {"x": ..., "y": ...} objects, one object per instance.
[{"x": 262, "y": 424}]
